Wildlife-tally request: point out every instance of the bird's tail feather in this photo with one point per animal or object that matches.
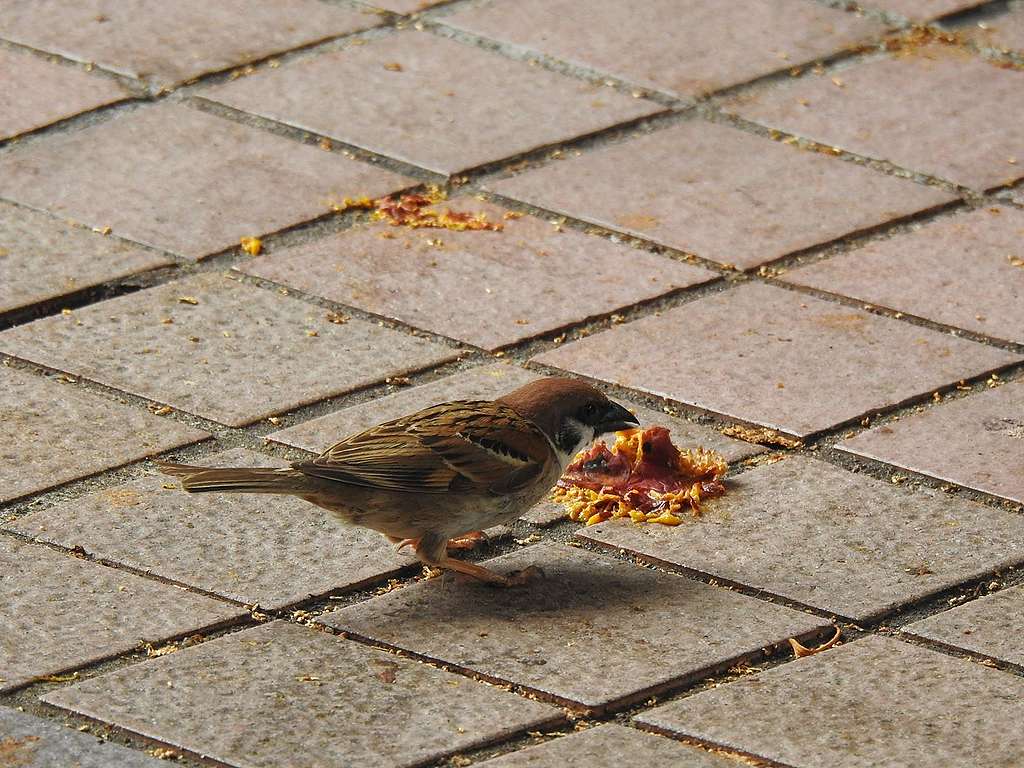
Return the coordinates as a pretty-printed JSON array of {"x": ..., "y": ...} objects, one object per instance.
[{"x": 237, "y": 479}]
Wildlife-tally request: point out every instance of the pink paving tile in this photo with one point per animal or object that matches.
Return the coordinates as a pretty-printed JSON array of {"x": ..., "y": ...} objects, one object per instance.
[
  {"x": 720, "y": 193},
  {"x": 215, "y": 347},
  {"x": 168, "y": 43},
  {"x": 936, "y": 110},
  {"x": 183, "y": 180},
  {"x": 976, "y": 441},
  {"x": 966, "y": 271},
  {"x": 487, "y": 288},
  {"x": 45, "y": 258},
  {"x": 35, "y": 92},
  {"x": 685, "y": 48},
  {"x": 778, "y": 358},
  {"x": 54, "y": 433},
  {"x": 428, "y": 100}
]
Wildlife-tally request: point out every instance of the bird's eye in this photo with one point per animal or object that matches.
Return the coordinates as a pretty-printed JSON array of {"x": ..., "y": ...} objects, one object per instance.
[{"x": 589, "y": 411}]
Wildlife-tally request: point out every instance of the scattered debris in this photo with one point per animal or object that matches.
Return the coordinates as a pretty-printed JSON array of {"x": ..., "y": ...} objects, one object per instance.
[
  {"x": 762, "y": 435},
  {"x": 799, "y": 650},
  {"x": 252, "y": 245}
]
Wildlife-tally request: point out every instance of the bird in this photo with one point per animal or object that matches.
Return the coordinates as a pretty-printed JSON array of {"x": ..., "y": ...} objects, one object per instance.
[{"x": 441, "y": 473}]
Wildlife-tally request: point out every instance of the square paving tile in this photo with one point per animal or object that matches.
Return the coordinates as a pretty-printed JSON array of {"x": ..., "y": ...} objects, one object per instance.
[
  {"x": 720, "y": 193},
  {"x": 487, "y": 288},
  {"x": 610, "y": 746},
  {"x": 875, "y": 702},
  {"x": 588, "y": 632},
  {"x": 31, "y": 742},
  {"x": 947, "y": 96},
  {"x": 958, "y": 271},
  {"x": 428, "y": 100},
  {"x": 992, "y": 626},
  {"x": 45, "y": 258},
  {"x": 778, "y": 358},
  {"x": 841, "y": 542},
  {"x": 202, "y": 360},
  {"x": 183, "y": 180},
  {"x": 168, "y": 43},
  {"x": 315, "y": 698},
  {"x": 55, "y": 432},
  {"x": 35, "y": 92},
  {"x": 683, "y": 48},
  {"x": 60, "y": 612},
  {"x": 270, "y": 550},
  {"x": 975, "y": 441}
]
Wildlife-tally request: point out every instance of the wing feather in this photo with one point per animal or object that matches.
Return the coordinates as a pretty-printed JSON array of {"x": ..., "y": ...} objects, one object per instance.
[{"x": 470, "y": 445}]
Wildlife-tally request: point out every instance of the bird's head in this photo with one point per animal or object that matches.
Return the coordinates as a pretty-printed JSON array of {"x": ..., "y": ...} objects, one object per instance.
[{"x": 571, "y": 413}]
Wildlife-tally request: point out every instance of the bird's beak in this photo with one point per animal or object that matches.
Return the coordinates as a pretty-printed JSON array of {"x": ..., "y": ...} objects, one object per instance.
[{"x": 615, "y": 418}]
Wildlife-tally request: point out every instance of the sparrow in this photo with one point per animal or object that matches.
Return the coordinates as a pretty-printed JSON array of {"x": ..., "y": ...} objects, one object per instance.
[{"x": 443, "y": 472}]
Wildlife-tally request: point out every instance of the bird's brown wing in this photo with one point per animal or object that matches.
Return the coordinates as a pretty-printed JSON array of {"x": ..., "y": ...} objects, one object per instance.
[{"x": 469, "y": 445}]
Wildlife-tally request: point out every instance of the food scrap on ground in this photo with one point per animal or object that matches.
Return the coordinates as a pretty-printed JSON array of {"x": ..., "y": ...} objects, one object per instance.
[
  {"x": 800, "y": 650},
  {"x": 252, "y": 245},
  {"x": 762, "y": 435},
  {"x": 415, "y": 211},
  {"x": 643, "y": 477}
]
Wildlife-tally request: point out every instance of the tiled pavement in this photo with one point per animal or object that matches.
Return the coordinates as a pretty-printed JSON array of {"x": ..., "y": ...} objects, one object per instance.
[{"x": 736, "y": 215}]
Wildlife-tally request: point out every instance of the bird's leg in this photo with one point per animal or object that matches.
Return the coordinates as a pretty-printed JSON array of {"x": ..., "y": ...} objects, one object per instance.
[
  {"x": 467, "y": 541},
  {"x": 433, "y": 550}
]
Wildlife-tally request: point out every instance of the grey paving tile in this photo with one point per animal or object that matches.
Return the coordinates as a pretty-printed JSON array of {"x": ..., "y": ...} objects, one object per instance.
[
  {"x": 948, "y": 94},
  {"x": 876, "y": 702},
  {"x": 923, "y": 10},
  {"x": 975, "y": 441},
  {"x": 30, "y": 742},
  {"x": 430, "y": 101},
  {"x": 316, "y": 698},
  {"x": 587, "y": 632},
  {"x": 992, "y": 625},
  {"x": 60, "y": 612},
  {"x": 720, "y": 193},
  {"x": 183, "y": 180},
  {"x": 841, "y": 542},
  {"x": 777, "y": 358},
  {"x": 35, "y": 92},
  {"x": 202, "y": 360},
  {"x": 44, "y": 258},
  {"x": 683, "y": 48},
  {"x": 487, "y": 288},
  {"x": 270, "y": 550},
  {"x": 959, "y": 271},
  {"x": 610, "y": 746},
  {"x": 405, "y": 6},
  {"x": 54, "y": 433},
  {"x": 169, "y": 43}
]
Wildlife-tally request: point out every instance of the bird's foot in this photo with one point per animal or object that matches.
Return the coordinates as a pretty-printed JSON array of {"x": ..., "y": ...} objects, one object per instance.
[{"x": 468, "y": 541}]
